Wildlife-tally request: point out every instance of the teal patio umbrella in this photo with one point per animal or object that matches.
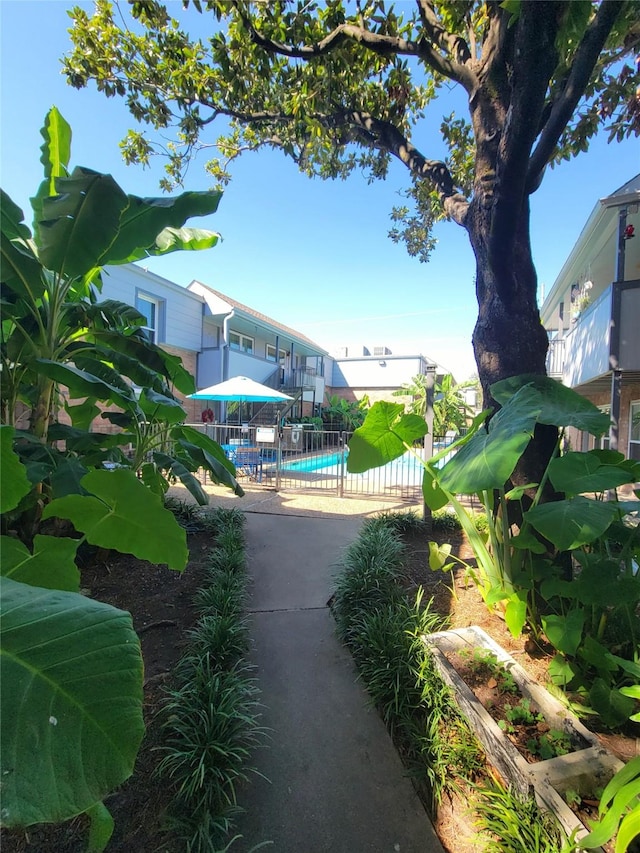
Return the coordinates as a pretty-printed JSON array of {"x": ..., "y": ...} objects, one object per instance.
[{"x": 241, "y": 389}]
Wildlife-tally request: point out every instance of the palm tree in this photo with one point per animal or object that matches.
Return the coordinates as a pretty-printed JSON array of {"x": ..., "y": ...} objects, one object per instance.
[{"x": 450, "y": 409}]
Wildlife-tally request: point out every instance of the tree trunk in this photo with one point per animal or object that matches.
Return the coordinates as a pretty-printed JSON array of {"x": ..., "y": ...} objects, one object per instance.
[{"x": 509, "y": 338}]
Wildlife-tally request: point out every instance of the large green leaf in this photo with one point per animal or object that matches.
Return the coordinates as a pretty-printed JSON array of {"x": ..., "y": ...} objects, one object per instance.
[
  {"x": 183, "y": 240},
  {"x": 577, "y": 473},
  {"x": 564, "y": 632},
  {"x": 56, "y": 148},
  {"x": 14, "y": 483},
  {"x": 560, "y": 406},
  {"x": 71, "y": 702},
  {"x": 80, "y": 222},
  {"x": 20, "y": 269},
  {"x": 122, "y": 514},
  {"x": 83, "y": 384},
  {"x": 145, "y": 219},
  {"x": 611, "y": 706},
  {"x": 177, "y": 469},
  {"x": 574, "y": 522},
  {"x": 150, "y": 356},
  {"x": 434, "y": 497},
  {"x": 222, "y": 472},
  {"x": 160, "y": 407},
  {"x": 488, "y": 460},
  {"x": 383, "y": 436},
  {"x": 51, "y": 565},
  {"x": 12, "y": 219}
]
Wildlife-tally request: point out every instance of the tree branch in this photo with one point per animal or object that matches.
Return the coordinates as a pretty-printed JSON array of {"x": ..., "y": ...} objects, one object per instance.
[
  {"x": 385, "y": 136},
  {"x": 584, "y": 62},
  {"x": 457, "y": 68},
  {"x": 535, "y": 59},
  {"x": 383, "y": 45}
]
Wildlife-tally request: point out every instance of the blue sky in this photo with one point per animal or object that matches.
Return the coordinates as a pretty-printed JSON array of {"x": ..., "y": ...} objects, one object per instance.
[{"x": 313, "y": 255}]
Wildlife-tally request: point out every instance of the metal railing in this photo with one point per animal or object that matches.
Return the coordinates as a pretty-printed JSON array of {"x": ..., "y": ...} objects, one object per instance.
[{"x": 310, "y": 460}]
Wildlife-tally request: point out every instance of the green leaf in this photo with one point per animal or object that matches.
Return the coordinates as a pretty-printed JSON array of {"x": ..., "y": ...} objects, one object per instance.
[
  {"x": 56, "y": 148},
  {"x": 611, "y": 706},
  {"x": 121, "y": 513},
  {"x": 202, "y": 452},
  {"x": 515, "y": 613},
  {"x": 561, "y": 671},
  {"x": 564, "y": 632},
  {"x": 183, "y": 240},
  {"x": 186, "y": 477},
  {"x": 51, "y": 565},
  {"x": 628, "y": 830},
  {"x": 80, "y": 222},
  {"x": 14, "y": 483},
  {"x": 160, "y": 407},
  {"x": 577, "y": 473},
  {"x": 571, "y": 523},
  {"x": 84, "y": 413},
  {"x": 383, "y": 437},
  {"x": 21, "y": 270},
  {"x": 145, "y": 221},
  {"x": 488, "y": 460},
  {"x": 100, "y": 828},
  {"x": 153, "y": 478},
  {"x": 83, "y": 384},
  {"x": 525, "y": 540},
  {"x": 559, "y": 405},
  {"x": 434, "y": 497},
  {"x": 71, "y": 702},
  {"x": 12, "y": 219},
  {"x": 596, "y": 655},
  {"x": 439, "y": 556},
  {"x": 629, "y": 666}
]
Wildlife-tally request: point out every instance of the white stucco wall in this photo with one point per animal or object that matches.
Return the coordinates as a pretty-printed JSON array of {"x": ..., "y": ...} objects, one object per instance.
[{"x": 373, "y": 372}]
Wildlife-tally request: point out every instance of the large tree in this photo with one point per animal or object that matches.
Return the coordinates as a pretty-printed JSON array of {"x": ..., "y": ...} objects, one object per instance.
[{"x": 339, "y": 86}]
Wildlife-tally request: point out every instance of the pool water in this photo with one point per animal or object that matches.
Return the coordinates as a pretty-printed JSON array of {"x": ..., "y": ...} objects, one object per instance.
[
  {"x": 405, "y": 468},
  {"x": 313, "y": 463}
]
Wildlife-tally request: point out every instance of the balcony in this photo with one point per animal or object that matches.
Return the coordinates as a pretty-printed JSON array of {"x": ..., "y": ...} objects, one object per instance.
[{"x": 603, "y": 338}]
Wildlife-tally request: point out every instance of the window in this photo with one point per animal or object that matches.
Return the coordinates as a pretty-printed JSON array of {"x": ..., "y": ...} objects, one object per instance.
[
  {"x": 271, "y": 354},
  {"x": 241, "y": 342},
  {"x": 150, "y": 309},
  {"x": 634, "y": 431}
]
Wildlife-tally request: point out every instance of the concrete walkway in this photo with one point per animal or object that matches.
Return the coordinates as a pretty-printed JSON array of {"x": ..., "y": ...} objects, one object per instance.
[{"x": 336, "y": 783}]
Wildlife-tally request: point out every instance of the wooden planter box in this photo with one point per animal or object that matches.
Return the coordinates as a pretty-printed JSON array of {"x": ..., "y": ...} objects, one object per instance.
[{"x": 582, "y": 770}]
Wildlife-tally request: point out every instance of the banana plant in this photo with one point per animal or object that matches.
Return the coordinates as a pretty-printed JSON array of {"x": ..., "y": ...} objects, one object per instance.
[
  {"x": 56, "y": 333},
  {"x": 71, "y": 704}
]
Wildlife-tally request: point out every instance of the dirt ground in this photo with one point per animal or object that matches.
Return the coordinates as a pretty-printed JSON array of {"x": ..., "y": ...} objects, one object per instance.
[{"x": 161, "y": 605}]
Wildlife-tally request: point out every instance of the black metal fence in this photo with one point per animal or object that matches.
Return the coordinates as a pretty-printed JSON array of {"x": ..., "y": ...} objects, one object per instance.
[{"x": 300, "y": 458}]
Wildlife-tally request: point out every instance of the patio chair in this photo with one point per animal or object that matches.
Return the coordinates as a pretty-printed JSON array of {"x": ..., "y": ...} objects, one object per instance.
[{"x": 248, "y": 463}]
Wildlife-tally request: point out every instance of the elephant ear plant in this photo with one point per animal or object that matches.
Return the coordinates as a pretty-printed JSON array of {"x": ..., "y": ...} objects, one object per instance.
[
  {"x": 71, "y": 668},
  {"x": 591, "y": 619}
]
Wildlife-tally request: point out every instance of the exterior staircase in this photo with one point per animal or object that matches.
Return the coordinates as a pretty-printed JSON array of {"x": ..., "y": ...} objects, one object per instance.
[{"x": 271, "y": 413}]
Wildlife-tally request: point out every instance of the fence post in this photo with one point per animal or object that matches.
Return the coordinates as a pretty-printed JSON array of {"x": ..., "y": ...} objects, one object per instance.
[
  {"x": 341, "y": 477},
  {"x": 278, "y": 455},
  {"x": 428, "y": 439}
]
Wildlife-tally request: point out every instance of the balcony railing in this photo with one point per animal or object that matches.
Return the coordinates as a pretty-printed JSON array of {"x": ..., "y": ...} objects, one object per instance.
[
  {"x": 602, "y": 338},
  {"x": 555, "y": 358}
]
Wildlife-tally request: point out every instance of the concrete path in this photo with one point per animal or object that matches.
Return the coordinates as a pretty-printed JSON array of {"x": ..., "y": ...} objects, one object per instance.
[{"x": 336, "y": 784}]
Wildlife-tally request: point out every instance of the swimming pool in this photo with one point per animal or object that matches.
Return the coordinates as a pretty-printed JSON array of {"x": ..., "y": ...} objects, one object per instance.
[
  {"x": 313, "y": 463},
  {"x": 406, "y": 469}
]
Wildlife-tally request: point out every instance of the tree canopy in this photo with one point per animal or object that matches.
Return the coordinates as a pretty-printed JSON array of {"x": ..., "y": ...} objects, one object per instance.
[{"x": 340, "y": 86}]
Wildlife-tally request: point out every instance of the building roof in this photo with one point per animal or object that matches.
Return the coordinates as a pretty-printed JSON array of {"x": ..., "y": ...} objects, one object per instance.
[
  {"x": 597, "y": 233},
  {"x": 205, "y": 289}
]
